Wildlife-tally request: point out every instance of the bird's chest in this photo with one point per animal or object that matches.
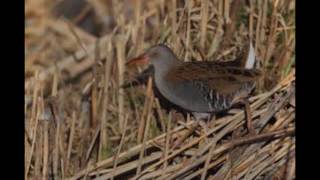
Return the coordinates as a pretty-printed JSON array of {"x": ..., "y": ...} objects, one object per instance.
[{"x": 192, "y": 96}]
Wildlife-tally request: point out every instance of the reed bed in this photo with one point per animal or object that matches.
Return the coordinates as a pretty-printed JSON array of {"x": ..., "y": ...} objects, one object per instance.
[{"x": 80, "y": 123}]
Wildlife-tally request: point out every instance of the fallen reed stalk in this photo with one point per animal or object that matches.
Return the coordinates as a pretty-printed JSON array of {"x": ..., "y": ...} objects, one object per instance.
[{"x": 62, "y": 53}]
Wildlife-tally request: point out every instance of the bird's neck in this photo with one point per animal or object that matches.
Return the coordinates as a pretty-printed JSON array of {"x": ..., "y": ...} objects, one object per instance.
[
  {"x": 162, "y": 83},
  {"x": 163, "y": 67}
]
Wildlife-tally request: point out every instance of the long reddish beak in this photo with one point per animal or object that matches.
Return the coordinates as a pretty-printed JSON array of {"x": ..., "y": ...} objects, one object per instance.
[{"x": 142, "y": 59}]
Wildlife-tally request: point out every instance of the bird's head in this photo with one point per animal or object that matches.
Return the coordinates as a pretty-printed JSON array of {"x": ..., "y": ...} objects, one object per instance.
[{"x": 156, "y": 55}]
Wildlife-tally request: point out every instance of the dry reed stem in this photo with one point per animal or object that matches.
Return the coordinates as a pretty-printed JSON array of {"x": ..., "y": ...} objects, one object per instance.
[
  {"x": 78, "y": 39},
  {"x": 213, "y": 164},
  {"x": 251, "y": 20},
  {"x": 120, "y": 147},
  {"x": 61, "y": 27},
  {"x": 174, "y": 20},
  {"x": 207, "y": 162},
  {"x": 33, "y": 123},
  {"x": 167, "y": 147},
  {"x": 194, "y": 31},
  {"x": 120, "y": 44},
  {"x": 56, "y": 152},
  {"x": 187, "y": 43},
  {"x": 45, "y": 150},
  {"x": 92, "y": 144},
  {"x": 163, "y": 173},
  {"x": 158, "y": 107},
  {"x": 129, "y": 166},
  {"x": 71, "y": 137},
  {"x": 146, "y": 130},
  {"x": 94, "y": 88},
  {"x": 103, "y": 131},
  {"x": 204, "y": 20},
  {"x": 142, "y": 123}
]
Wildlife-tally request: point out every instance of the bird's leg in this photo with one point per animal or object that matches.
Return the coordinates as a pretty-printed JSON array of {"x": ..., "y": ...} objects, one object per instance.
[
  {"x": 200, "y": 117},
  {"x": 248, "y": 115},
  {"x": 204, "y": 126}
]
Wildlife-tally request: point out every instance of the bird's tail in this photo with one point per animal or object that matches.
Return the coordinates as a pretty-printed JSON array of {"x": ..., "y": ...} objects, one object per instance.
[{"x": 251, "y": 57}]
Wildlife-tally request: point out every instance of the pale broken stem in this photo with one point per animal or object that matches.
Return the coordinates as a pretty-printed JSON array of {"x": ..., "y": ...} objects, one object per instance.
[
  {"x": 146, "y": 131},
  {"x": 103, "y": 130},
  {"x": 142, "y": 122},
  {"x": 120, "y": 44}
]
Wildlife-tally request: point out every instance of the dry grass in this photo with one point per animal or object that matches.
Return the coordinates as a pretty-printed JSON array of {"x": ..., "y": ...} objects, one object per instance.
[{"x": 79, "y": 123}]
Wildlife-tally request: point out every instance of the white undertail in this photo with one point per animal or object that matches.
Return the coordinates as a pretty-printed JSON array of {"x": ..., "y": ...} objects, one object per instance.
[{"x": 251, "y": 58}]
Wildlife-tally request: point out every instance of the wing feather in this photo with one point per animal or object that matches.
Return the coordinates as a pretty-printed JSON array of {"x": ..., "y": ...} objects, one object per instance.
[{"x": 219, "y": 78}]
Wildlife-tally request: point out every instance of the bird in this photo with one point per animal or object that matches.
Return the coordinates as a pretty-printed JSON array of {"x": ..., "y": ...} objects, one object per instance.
[{"x": 202, "y": 88}]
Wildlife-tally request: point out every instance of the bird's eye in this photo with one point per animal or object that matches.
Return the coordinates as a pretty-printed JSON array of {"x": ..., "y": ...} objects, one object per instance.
[{"x": 154, "y": 54}]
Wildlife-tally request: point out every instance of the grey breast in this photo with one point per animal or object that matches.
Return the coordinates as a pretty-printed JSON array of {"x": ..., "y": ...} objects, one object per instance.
[{"x": 194, "y": 96}]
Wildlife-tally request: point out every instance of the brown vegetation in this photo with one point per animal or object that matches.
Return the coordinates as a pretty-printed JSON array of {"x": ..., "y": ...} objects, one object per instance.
[{"x": 80, "y": 124}]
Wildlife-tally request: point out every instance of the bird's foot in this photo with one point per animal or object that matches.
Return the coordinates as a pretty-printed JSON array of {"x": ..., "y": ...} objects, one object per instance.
[
  {"x": 180, "y": 140},
  {"x": 204, "y": 127}
]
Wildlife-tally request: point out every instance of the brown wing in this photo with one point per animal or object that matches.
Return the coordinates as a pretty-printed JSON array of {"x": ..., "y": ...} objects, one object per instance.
[{"x": 220, "y": 78}]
